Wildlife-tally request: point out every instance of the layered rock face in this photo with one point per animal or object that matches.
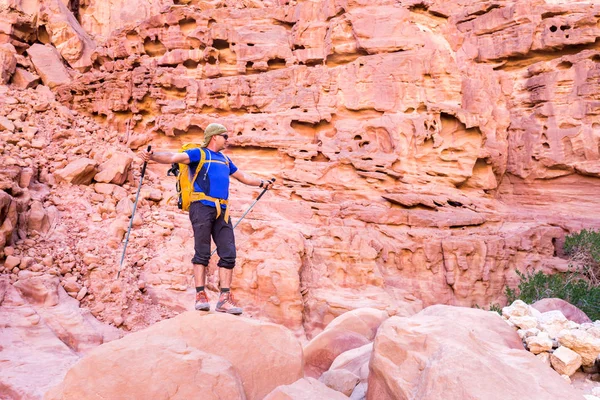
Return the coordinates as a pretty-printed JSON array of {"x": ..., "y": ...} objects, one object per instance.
[{"x": 424, "y": 151}]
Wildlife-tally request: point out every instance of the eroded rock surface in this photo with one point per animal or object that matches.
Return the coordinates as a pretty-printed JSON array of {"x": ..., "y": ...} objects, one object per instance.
[{"x": 424, "y": 151}]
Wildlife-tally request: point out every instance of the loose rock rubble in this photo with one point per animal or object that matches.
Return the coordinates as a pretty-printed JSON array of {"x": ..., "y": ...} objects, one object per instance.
[
  {"x": 565, "y": 345},
  {"x": 70, "y": 186}
]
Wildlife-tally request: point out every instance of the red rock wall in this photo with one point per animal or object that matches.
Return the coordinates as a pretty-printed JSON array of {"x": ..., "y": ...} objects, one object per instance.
[{"x": 423, "y": 150}]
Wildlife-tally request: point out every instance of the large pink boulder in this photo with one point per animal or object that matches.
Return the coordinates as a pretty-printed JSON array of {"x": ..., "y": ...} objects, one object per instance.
[
  {"x": 350, "y": 330},
  {"x": 157, "y": 367},
  {"x": 458, "y": 353},
  {"x": 263, "y": 355},
  {"x": 569, "y": 310}
]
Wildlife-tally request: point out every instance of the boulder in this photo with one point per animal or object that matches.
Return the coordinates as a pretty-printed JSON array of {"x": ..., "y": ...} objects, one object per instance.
[
  {"x": 364, "y": 321},
  {"x": 33, "y": 358},
  {"x": 8, "y": 62},
  {"x": 264, "y": 355},
  {"x": 115, "y": 169},
  {"x": 583, "y": 343},
  {"x": 539, "y": 343},
  {"x": 305, "y": 389},
  {"x": 157, "y": 367},
  {"x": 48, "y": 64},
  {"x": 340, "y": 380},
  {"x": 69, "y": 38},
  {"x": 355, "y": 361},
  {"x": 565, "y": 361},
  {"x": 524, "y": 322},
  {"x": 517, "y": 309},
  {"x": 350, "y": 330},
  {"x": 38, "y": 218},
  {"x": 23, "y": 79},
  {"x": 8, "y": 218},
  {"x": 75, "y": 327},
  {"x": 11, "y": 262},
  {"x": 571, "y": 312},
  {"x": 6, "y": 124},
  {"x": 78, "y": 172},
  {"x": 553, "y": 322},
  {"x": 457, "y": 353}
]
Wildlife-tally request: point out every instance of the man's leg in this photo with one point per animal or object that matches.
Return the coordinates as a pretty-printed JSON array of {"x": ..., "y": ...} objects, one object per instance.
[
  {"x": 200, "y": 275},
  {"x": 202, "y": 219},
  {"x": 225, "y": 241},
  {"x": 225, "y": 276}
]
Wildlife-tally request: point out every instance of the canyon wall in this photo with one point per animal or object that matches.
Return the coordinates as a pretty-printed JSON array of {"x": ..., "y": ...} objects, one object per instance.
[{"x": 424, "y": 151}]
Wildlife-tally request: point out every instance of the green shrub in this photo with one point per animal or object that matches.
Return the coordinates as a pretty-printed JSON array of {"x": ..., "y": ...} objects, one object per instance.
[
  {"x": 580, "y": 285},
  {"x": 583, "y": 249}
]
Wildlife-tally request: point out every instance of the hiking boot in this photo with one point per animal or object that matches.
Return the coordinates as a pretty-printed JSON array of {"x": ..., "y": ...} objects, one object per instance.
[
  {"x": 202, "y": 303},
  {"x": 227, "y": 305}
]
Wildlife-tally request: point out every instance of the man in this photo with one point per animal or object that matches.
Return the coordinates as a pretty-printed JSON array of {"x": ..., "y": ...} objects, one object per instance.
[{"x": 211, "y": 217}]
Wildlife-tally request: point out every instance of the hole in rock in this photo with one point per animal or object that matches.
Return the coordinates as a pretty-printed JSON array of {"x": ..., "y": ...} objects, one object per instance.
[
  {"x": 154, "y": 48},
  {"x": 220, "y": 44},
  {"x": 190, "y": 64},
  {"x": 187, "y": 25},
  {"x": 42, "y": 34},
  {"x": 565, "y": 65},
  {"x": 276, "y": 63}
]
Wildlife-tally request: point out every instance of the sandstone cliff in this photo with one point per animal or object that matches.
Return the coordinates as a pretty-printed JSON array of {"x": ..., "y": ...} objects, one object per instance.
[{"x": 424, "y": 150}]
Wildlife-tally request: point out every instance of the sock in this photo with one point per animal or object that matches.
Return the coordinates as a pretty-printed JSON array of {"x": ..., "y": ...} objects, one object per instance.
[
  {"x": 224, "y": 290},
  {"x": 199, "y": 288}
]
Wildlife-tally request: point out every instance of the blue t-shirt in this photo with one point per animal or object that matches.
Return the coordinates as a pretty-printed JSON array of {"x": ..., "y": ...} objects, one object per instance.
[{"x": 213, "y": 179}]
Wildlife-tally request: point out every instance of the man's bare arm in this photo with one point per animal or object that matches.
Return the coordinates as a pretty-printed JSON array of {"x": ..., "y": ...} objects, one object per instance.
[
  {"x": 251, "y": 180},
  {"x": 165, "y": 157}
]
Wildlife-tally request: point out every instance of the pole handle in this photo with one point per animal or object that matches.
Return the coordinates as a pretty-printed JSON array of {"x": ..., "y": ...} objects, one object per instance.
[
  {"x": 265, "y": 189},
  {"x": 145, "y": 162}
]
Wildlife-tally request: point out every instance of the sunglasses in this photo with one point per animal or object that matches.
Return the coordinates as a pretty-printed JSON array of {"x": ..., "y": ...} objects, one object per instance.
[{"x": 226, "y": 136}]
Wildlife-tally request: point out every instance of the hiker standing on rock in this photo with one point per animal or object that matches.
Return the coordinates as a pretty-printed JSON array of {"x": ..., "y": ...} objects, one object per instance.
[{"x": 209, "y": 211}]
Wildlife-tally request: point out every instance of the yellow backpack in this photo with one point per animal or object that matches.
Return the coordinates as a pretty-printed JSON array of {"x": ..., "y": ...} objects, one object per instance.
[{"x": 185, "y": 182}]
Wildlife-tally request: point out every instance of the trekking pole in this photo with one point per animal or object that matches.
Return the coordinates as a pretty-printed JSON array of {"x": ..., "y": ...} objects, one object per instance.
[
  {"x": 248, "y": 210},
  {"x": 137, "y": 196}
]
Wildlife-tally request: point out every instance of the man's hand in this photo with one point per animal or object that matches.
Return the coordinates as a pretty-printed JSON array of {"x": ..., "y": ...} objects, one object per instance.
[
  {"x": 146, "y": 155},
  {"x": 267, "y": 184}
]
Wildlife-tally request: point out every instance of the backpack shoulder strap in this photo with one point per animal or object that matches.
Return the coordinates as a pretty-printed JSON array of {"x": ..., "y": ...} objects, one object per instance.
[
  {"x": 199, "y": 166},
  {"x": 227, "y": 160}
]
